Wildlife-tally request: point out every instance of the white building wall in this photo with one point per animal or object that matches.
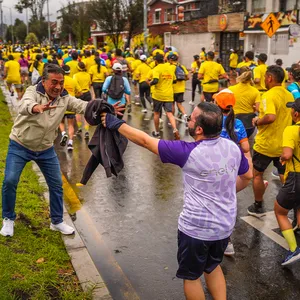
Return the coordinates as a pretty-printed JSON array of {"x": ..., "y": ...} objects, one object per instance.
[
  {"x": 190, "y": 44},
  {"x": 260, "y": 42}
]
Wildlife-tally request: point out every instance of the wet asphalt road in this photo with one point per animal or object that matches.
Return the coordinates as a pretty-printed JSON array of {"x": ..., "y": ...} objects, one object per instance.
[{"x": 136, "y": 215}]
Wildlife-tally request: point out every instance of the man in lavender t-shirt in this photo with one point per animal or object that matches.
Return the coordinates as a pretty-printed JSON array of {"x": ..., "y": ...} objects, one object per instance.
[{"x": 214, "y": 169}]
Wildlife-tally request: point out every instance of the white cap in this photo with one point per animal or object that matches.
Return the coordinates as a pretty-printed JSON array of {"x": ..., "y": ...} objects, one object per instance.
[
  {"x": 127, "y": 49},
  {"x": 231, "y": 50},
  {"x": 143, "y": 57},
  {"x": 117, "y": 67}
]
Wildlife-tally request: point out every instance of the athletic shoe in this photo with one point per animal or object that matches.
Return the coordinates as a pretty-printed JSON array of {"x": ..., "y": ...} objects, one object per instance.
[
  {"x": 296, "y": 227},
  {"x": 156, "y": 134},
  {"x": 176, "y": 135},
  {"x": 137, "y": 103},
  {"x": 137, "y": 96},
  {"x": 63, "y": 140},
  {"x": 161, "y": 124},
  {"x": 179, "y": 115},
  {"x": 185, "y": 117},
  {"x": 87, "y": 135},
  {"x": 12, "y": 93},
  {"x": 275, "y": 174},
  {"x": 229, "y": 250},
  {"x": 79, "y": 131},
  {"x": 256, "y": 211},
  {"x": 8, "y": 227},
  {"x": 291, "y": 257},
  {"x": 63, "y": 228},
  {"x": 70, "y": 147},
  {"x": 144, "y": 110},
  {"x": 129, "y": 108},
  {"x": 192, "y": 103}
]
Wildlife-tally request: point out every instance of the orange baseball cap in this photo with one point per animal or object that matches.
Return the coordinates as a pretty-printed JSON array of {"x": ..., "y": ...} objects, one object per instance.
[{"x": 224, "y": 98}]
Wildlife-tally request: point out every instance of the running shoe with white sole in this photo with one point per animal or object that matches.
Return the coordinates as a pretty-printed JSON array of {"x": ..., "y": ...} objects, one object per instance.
[
  {"x": 229, "y": 251},
  {"x": 63, "y": 140},
  {"x": 87, "y": 135},
  {"x": 63, "y": 228},
  {"x": 79, "y": 131},
  {"x": 256, "y": 211},
  {"x": 292, "y": 257},
  {"x": 70, "y": 147},
  {"x": 144, "y": 110},
  {"x": 8, "y": 227},
  {"x": 192, "y": 103},
  {"x": 156, "y": 134}
]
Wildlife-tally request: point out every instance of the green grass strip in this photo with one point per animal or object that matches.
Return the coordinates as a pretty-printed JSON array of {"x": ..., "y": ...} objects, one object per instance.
[{"x": 34, "y": 263}]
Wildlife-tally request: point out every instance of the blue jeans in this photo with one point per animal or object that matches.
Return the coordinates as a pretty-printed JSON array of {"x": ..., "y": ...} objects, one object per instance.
[{"x": 47, "y": 160}]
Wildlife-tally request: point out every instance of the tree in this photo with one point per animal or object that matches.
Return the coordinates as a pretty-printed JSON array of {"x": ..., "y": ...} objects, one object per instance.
[
  {"x": 111, "y": 16},
  {"x": 134, "y": 12},
  {"x": 37, "y": 23},
  {"x": 20, "y": 30},
  {"x": 75, "y": 22},
  {"x": 31, "y": 39}
]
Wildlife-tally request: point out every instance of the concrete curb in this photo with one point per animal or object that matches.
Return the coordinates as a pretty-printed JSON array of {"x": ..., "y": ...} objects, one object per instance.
[{"x": 85, "y": 269}]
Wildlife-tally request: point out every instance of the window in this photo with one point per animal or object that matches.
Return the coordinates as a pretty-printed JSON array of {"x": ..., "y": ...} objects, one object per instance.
[
  {"x": 156, "y": 17},
  {"x": 258, "y": 6},
  {"x": 169, "y": 15},
  {"x": 280, "y": 44},
  {"x": 289, "y": 5}
]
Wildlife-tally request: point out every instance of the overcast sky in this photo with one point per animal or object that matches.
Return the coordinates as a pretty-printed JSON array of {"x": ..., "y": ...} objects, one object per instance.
[{"x": 54, "y": 5}]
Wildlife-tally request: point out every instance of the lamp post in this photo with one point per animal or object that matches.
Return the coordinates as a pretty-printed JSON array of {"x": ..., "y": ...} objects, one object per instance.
[
  {"x": 49, "y": 30},
  {"x": 145, "y": 27},
  {"x": 12, "y": 25}
]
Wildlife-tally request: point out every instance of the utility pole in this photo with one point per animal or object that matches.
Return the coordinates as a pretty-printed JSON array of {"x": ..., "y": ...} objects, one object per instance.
[
  {"x": 27, "y": 25},
  {"x": 1, "y": 16},
  {"x": 145, "y": 28},
  {"x": 12, "y": 27},
  {"x": 49, "y": 29}
]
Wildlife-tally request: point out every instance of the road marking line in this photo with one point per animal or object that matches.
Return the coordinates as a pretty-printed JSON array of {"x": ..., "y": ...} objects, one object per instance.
[{"x": 266, "y": 225}]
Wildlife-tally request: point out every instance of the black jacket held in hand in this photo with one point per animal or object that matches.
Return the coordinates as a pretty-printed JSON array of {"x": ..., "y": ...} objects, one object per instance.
[{"x": 107, "y": 146}]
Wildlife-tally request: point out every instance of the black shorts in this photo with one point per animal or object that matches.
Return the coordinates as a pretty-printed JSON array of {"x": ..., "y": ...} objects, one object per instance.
[
  {"x": 289, "y": 194},
  {"x": 196, "y": 256},
  {"x": 209, "y": 96},
  {"x": 70, "y": 116},
  {"x": 261, "y": 162},
  {"x": 232, "y": 69},
  {"x": 178, "y": 97},
  {"x": 158, "y": 105},
  {"x": 87, "y": 96}
]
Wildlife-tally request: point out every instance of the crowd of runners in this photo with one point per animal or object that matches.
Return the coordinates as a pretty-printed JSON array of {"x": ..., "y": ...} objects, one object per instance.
[{"x": 253, "y": 98}]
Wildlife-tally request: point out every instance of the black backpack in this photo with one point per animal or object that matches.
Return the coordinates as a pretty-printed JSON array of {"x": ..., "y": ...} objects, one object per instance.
[{"x": 116, "y": 88}]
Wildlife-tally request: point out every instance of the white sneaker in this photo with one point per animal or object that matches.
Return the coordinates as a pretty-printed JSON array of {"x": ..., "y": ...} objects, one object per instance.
[
  {"x": 229, "y": 250},
  {"x": 8, "y": 227},
  {"x": 63, "y": 228},
  {"x": 70, "y": 147},
  {"x": 191, "y": 103},
  {"x": 144, "y": 110}
]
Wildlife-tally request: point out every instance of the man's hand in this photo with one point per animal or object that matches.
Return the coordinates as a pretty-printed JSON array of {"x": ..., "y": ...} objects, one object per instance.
[
  {"x": 111, "y": 122},
  {"x": 119, "y": 108},
  {"x": 40, "y": 108}
]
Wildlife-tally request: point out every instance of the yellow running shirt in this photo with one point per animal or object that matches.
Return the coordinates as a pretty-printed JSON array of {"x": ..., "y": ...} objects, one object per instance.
[
  {"x": 163, "y": 90},
  {"x": 268, "y": 140},
  {"x": 246, "y": 96},
  {"x": 291, "y": 139},
  {"x": 13, "y": 72},
  {"x": 84, "y": 81},
  {"x": 233, "y": 58},
  {"x": 73, "y": 67},
  {"x": 259, "y": 72},
  {"x": 211, "y": 71},
  {"x": 142, "y": 72},
  {"x": 72, "y": 86},
  {"x": 98, "y": 77}
]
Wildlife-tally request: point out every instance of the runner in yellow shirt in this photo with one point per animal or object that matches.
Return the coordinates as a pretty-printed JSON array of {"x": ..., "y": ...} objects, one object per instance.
[
  {"x": 247, "y": 99},
  {"x": 259, "y": 72},
  {"x": 73, "y": 89},
  {"x": 98, "y": 74},
  {"x": 141, "y": 74},
  {"x": 288, "y": 197},
  {"x": 12, "y": 74},
  {"x": 163, "y": 96},
  {"x": 73, "y": 64},
  {"x": 273, "y": 118},
  {"x": 210, "y": 72},
  {"x": 233, "y": 60},
  {"x": 135, "y": 79},
  {"x": 84, "y": 80}
]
